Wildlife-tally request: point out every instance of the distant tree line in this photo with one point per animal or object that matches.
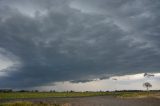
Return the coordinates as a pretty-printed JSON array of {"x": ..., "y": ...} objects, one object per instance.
[
  {"x": 6, "y": 90},
  {"x": 10, "y": 90},
  {"x": 71, "y": 91}
]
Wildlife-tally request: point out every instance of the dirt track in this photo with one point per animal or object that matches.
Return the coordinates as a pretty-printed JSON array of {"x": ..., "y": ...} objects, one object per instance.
[{"x": 96, "y": 101}]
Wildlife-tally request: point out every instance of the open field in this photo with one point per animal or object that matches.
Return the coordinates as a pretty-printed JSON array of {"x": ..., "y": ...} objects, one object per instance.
[
  {"x": 84, "y": 101},
  {"x": 16, "y": 95},
  {"x": 80, "y": 99}
]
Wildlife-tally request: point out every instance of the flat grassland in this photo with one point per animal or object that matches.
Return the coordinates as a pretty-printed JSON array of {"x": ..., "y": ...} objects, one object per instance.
[
  {"x": 14, "y": 95},
  {"x": 17, "y": 95},
  {"x": 124, "y": 98}
]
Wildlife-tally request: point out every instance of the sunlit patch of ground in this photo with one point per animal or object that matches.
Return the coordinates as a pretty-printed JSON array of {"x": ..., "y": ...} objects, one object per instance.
[{"x": 21, "y": 103}]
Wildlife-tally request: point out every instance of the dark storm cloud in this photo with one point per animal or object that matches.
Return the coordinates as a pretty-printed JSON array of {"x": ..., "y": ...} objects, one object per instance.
[{"x": 59, "y": 40}]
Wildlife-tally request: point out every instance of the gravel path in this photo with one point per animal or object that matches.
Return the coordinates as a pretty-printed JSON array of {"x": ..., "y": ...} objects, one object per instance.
[{"x": 95, "y": 101}]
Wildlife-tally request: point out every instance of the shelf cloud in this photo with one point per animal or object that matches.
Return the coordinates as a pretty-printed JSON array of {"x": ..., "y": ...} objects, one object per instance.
[{"x": 77, "y": 40}]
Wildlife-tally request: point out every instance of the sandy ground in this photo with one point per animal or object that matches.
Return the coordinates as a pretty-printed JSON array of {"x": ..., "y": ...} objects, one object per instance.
[{"x": 95, "y": 101}]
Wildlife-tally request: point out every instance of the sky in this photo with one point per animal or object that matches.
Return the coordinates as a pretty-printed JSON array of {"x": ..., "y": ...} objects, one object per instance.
[{"x": 75, "y": 44}]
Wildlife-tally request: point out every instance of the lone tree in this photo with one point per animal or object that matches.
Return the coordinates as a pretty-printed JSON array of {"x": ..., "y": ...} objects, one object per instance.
[{"x": 147, "y": 85}]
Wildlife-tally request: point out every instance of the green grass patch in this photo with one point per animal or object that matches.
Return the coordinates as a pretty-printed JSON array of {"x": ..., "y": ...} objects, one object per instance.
[
  {"x": 20, "y": 103},
  {"x": 134, "y": 94},
  {"x": 16, "y": 95}
]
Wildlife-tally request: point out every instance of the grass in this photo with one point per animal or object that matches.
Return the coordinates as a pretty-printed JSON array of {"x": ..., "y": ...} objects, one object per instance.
[
  {"x": 16, "y": 95},
  {"x": 134, "y": 94},
  {"x": 20, "y": 103}
]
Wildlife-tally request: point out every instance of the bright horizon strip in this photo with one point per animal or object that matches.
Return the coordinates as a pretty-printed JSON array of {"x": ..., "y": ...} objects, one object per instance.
[{"x": 124, "y": 82}]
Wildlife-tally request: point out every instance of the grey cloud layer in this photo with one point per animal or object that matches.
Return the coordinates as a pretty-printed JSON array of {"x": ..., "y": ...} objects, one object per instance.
[{"x": 56, "y": 42}]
